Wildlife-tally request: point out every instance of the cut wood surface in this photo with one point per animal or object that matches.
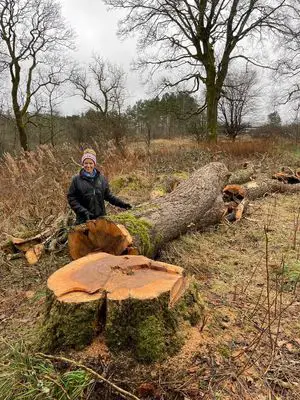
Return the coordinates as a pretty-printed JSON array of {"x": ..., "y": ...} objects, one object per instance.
[
  {"x": 98, "y": 235},
  {"x": 235, "y": 200},
  {"x": 34, "y": 254},
  {"x": 237, "y": 197},
  {"x": 117, "y": 277},
  {"x": 31, "y": 247}
]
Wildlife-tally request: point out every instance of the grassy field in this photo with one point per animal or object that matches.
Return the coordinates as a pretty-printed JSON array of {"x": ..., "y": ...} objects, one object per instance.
[{"x": 247, "y": 345}]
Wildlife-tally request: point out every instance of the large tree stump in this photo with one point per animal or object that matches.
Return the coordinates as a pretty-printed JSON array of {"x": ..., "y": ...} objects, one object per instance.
[
  {"x": 138, "y": 303},
  {"x": 196, "y": 202}
]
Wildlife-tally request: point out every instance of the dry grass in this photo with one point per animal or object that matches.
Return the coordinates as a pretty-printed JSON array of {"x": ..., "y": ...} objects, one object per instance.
[
  {"x": 34, "y": 184},
  {"x": 231, "y": 264}
]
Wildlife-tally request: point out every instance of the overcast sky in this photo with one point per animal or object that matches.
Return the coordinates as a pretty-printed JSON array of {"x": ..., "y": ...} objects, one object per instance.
[{"x": 96, "y": 31}]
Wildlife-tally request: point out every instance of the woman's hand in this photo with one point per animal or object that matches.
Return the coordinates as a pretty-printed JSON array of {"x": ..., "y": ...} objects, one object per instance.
[{"x": 87, "y": 215}]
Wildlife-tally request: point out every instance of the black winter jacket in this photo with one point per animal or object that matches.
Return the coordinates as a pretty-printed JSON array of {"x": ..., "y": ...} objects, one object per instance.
[{"x": 86, "y": 197}]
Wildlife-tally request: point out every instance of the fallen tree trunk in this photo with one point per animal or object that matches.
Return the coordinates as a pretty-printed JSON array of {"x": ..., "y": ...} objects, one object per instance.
[
  {"x": 261, "y": 188},
  {"x": 237, "y": 197},
  {"x": 139, "y": 304},
  {"x": 196, "y": 202}
]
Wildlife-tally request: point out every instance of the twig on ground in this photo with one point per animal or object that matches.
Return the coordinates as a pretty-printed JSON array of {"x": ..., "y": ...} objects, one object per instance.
[{"x": 122, "y": 392}]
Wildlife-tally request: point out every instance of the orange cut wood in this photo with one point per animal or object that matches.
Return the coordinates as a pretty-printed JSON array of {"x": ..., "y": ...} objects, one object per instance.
[
  {"x": 240, "y": 210},
  {"x": 287, "y": 177},
  {"x": 24, "y": 244},
  {"x": 108, "y": 236},
  {"x": 34, "y": 254},
  {"x": 118, "y": 277},
  {"x": 79, "y": 244},
  {"x": 234, "y": 192},
  {"x": 178, "y": 290},
  {"x": 98, "y": 235}
]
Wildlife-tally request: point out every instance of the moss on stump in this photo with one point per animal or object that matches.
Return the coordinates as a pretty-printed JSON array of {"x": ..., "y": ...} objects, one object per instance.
[
  {"x": 69, "y": 325},
  {"x": 150, "y": 329}
]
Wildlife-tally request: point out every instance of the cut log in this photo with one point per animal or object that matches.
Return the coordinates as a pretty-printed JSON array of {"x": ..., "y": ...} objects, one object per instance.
[
  {"x": 287, "y": 175},
  {"x": 242, "y": 194},
  {"x": 14, "y": 244},
  {"x": 237, "y": 197},
  {"x": 34, "y": 254},
  {"x": 139, "y": 303},
  {"x": 33, "y": 247},
  {"x": 261, "y": 188},
  {"x": 196, "y": 202},
  {"x": 98, "y": 235},
  {"x": 242, "y": 175},
  {"x": 234, "y": 197}
]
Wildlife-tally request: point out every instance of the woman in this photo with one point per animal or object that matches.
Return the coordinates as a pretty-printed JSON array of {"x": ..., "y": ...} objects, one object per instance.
[{"x": 89, "y": 189}]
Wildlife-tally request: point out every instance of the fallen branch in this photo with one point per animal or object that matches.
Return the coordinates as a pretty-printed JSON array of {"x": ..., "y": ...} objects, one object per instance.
[{"x": 33, "y": 247}]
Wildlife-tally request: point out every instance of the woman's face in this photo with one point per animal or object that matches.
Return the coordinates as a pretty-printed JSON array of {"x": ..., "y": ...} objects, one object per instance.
[{"x": 88, "y": 165}]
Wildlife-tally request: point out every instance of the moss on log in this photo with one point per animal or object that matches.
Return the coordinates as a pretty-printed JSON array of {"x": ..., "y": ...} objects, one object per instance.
[{"x": 139, "y": 229}]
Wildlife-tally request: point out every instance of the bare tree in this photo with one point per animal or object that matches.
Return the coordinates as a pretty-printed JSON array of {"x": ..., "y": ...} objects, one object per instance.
[
  {"x": 102, "y": 85},
  {"x": 51, "y": 96},
  {"x": 238, "y": 100},
  {"x": 288, "y": 70},
  {"x": 200, "y": 37},
  {"x": 31, "y": 30}
]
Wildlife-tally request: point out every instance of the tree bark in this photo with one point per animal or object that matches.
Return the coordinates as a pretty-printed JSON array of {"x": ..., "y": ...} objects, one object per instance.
[
  {"x": 242, "y": 175},
  {"x": 19, "y": 117},
  {"x": 212, "y": 113},
  {"x": 212, "y": 95},
  {"x": 193, "y": 202},
  {"x": 22, "y": 135},
  {"x": 261, "y": 188}
]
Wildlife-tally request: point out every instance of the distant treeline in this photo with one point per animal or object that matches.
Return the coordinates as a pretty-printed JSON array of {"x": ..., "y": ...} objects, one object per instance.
[{"x": 172, "y": 115}]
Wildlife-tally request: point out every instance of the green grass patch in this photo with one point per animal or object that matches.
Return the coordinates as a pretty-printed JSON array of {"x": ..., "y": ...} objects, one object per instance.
[{"x": 25, "y": 376}]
